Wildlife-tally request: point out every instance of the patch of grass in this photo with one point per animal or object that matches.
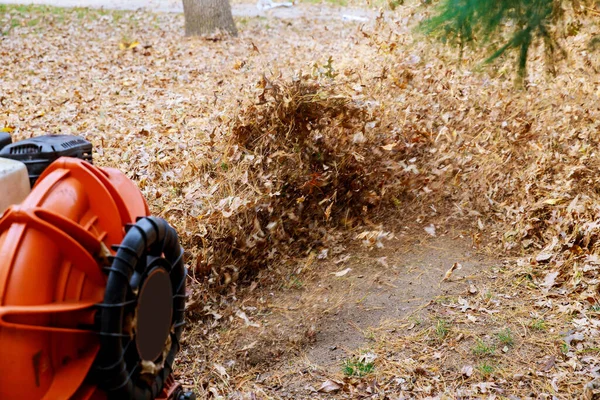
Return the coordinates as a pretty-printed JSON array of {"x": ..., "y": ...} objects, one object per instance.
[
  {"x": 31, "y": 15},
  {"x": 357, "y": 368},
  {"x": 33, "y": 22},
  {"x": 483, "y": 349},
  {"x": 505, "y": 336},
  {"x": 12, "y": 24},
  {"x": 340, "y": 3},
  {"x": 295, "y": 283},
  {"x": 393, "y": 4},
  {"x": 485, "y": 369},
  {"x": 33, "y": 11},
  {"x": 588, "y": 350},
  {"x": 442, "y": 328},
  {"x": 444, "y": 299},
  {"x": 538, "y": 325},
  {"x": 369, "y": 334},
  {"x": 20, "y": 8},
  {"x": 326, "y": 70},
  {"x": 242, "y": 20},
  {"x": 250, "y": 20}
]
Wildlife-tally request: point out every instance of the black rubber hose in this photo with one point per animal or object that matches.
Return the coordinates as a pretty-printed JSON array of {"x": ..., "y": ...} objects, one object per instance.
[{"x": 154, "y": 237}]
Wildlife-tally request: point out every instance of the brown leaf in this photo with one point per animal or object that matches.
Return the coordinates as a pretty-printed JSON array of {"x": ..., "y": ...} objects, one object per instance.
[
  {"x": 329, "y": 386},
  {"x": 467, "y": 370},
  {"x": 549, "y": 364},
  {"x": 453, "y": 268}
]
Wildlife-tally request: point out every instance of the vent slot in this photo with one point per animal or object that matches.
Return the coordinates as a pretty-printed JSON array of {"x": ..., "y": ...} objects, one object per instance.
[
  {"x": 72, "y": 143},
  {"x": 25, "y": 149}
]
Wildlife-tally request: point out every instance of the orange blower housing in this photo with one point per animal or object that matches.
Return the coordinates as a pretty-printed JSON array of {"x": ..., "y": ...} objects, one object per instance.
[{"x": 91, "y": 290}]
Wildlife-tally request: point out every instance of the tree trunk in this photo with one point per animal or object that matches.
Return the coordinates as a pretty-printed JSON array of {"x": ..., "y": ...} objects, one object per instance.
[{"x": 203, "y": 17}]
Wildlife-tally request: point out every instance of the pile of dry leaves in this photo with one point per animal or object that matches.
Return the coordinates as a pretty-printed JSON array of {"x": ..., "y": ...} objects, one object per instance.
[{"x": 300, "y": 159}]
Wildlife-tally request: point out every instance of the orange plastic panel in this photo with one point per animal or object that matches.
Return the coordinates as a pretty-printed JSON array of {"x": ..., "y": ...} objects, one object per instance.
[{"x": 51, "y": 247}]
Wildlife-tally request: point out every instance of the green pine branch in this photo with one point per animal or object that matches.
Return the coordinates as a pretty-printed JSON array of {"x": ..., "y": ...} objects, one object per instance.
[{"x": 512, "y": 25}]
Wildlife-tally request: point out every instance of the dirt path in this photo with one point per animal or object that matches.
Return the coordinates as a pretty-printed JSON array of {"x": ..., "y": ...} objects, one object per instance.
[
  {"x": 241, "y": 10},
  {"x": 302, "y": 333},
  {"x": 387, "y": 323},
  {"x": 391, "y": 283}
]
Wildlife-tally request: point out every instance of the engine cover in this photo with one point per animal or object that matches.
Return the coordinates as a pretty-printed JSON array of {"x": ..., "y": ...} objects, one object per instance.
[{"x": 39, "y": 152}]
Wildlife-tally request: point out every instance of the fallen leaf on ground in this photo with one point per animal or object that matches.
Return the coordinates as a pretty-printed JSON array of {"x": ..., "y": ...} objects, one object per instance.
[
  {"x": 342, "y": 272},
  {"x": 329, "y": 386},
  {"x": 549, "y": 364},
  {"x": 323, "y": 254},
  {"x": 430, "y": 230},
  {"x": 367, "y": 358},
  {"x": 453, "y": 268},
  {"x": 467, "y": 370},
  {"x": 383, "y": 261},
  {"x": 550, "y": 280},
  {"x": 242, "y": 315},
  {"x": 543, "y": 257},
  {"x": 221, "y": 370},
  {"x": 342, "y": 259},
  {"x": 591, "y": 389}
]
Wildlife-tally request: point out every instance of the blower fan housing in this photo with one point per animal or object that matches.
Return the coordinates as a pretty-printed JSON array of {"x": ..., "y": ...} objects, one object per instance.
[{"x": 92, "y": 290}]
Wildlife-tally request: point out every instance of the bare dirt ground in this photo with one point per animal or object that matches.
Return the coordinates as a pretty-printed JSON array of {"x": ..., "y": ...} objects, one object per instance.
[
  {"x": 423, "y": 317},
  {"x": 303, "y": 332},
  {"x": 389, "y": 283}
]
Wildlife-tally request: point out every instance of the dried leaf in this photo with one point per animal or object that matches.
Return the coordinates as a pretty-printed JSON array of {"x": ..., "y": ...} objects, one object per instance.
[
  {"x": 453, "y": 268},
  {"x": 467, "y": 370},
  {"x": 430, "y": 230},
  {"x": 342, "y": 259},
  {"x": 323, "y": 254},
  {"x": 243, "y": 316},
  {"x": 341, "y": 273},
  {"x": 550, "y": 279},
  {"x": 548, "y": 364},
  {"x": 552, "y": 201},
  {"x": 221, "y": 370},
  {"x": 543, "y": 257},
  {"x": 329, "y": 386}
]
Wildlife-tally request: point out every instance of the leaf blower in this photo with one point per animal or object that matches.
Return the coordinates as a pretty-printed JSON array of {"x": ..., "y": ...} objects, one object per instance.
[{"x": 92, "y": 288}]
